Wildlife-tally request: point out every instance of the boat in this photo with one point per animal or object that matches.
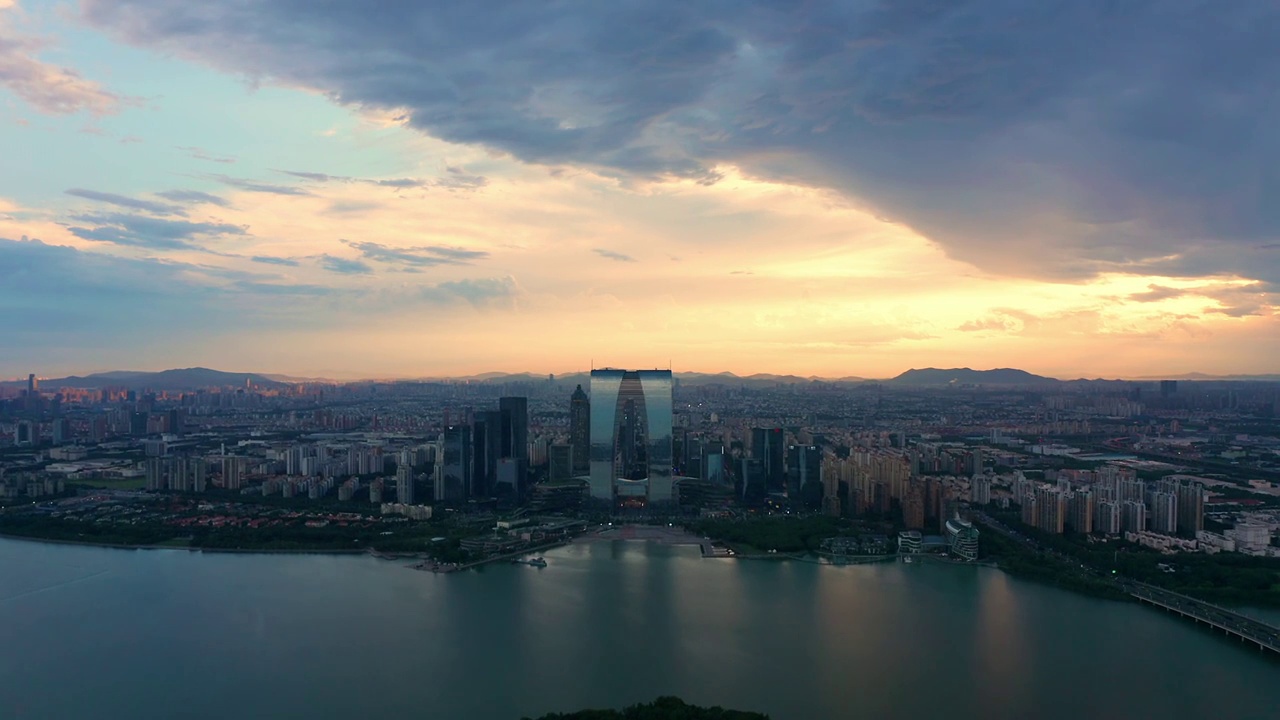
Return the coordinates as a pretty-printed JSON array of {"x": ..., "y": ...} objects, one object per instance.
[
  {"x": 538, "y": 562},
  {"x": 909, "y": 559}
]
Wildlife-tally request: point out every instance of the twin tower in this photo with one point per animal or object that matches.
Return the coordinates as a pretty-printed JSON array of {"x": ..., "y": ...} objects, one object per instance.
[{"x": 630, "y": 455}]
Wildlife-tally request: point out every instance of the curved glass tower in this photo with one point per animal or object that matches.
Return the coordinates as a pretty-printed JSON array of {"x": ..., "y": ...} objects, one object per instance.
[{"x": 631, "y": 435}]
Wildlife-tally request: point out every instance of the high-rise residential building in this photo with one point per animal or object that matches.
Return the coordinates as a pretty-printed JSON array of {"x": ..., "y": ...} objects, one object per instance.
[
  {"x": 1133, "y": 516},
  {"x": 580, "y": 432},
  {"x": 560, "y": 462},
  {"x": 232, "y": 472},
  {"x": 1190, "y": 508},
  {"x": 1107, "y": 518},
  {"x": 980, "y": 491},
  {"x": 1164, "y": 513},
  {"x": 154, "y": 469},
  {"x": 1051, "y": 510},
  {"x": 1080, "y": 512},
  {"x": 913, "y": 506},
  {"x": 768, "y": 448},
  {"x": 631, "y": 453},
  {"x": 404, "y": 485}
]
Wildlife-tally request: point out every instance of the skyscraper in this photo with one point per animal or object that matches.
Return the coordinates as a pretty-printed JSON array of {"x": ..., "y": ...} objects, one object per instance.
[
  {"x": 631, "y": 435},
  {"x": 767, "y": 447},
  {"x": 33, "y": 385},
  {"x": 515, "y": 438},
  {"x": 580, "y": 431},
  {"x": 804, "y": 475},
  {"x": 486, "y": 444},
  {"x": 456, "y": 466}
]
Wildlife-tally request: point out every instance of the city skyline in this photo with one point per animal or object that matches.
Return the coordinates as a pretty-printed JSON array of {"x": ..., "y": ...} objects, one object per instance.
[{"x": 855, "y": 191}]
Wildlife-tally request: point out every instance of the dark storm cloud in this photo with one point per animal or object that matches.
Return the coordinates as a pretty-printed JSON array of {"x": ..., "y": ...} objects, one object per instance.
[
  {"x": 1050, "y": 139},
  {"x": 148, "y": 232},
  {"x": 417, "y": 256},
  {"x": 128, "y": 202},
  {"x": 611, "y": 255},
  {"x": 193, "y": 197}
]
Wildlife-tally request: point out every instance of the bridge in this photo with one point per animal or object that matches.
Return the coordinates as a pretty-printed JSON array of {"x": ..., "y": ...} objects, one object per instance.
[{"x": 1246, "y": 629}]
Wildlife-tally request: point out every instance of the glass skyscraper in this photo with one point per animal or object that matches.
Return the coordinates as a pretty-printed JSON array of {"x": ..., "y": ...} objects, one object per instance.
[{"x": 631, "y": 435}]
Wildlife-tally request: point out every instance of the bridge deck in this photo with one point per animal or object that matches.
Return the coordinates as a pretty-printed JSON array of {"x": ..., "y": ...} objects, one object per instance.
[{"x": 1266, "y": 637}]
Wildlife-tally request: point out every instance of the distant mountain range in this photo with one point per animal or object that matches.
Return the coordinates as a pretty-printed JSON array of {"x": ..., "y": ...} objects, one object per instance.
[
  {"x": 198, "y": 377},
  {"x": 172, "y": 380},
  {"x": 967, "y": 376}
]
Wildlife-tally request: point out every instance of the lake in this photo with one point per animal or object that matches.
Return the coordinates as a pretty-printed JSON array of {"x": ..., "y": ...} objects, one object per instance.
[{"x": 104, "y": 633}]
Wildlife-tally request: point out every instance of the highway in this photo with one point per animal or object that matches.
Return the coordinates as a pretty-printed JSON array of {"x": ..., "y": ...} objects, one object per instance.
[
  {"x": 1266, "y": 637},
  {"x": 1247, "y": 629}
]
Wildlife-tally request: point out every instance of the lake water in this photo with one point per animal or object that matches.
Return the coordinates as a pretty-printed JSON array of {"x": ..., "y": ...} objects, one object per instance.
[{"x": 101, "y": 633}]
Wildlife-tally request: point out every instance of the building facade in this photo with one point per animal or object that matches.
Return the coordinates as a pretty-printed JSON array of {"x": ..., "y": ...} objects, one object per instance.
[{"x": 631, "y": 416}]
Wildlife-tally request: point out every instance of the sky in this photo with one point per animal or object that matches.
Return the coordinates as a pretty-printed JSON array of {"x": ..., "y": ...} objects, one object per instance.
[{"x": 344, "y": 189}]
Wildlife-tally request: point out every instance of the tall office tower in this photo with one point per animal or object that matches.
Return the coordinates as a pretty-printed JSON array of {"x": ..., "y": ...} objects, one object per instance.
[
  {"x": 404, "y": 485},
  {"x": 580, "y": 431},
  {"x": 1168, "y": 388},
  {"x": 486, "y": 448},
  {"x": 1051, "y": 510},
  {"x": 631, "y": 435},
  {"x": 767, "y": 447},
  {"x": 33, "y": 385},
  {"x": 138, "y": 424},
  {"x": 1164, "y": 513},
  {"x": 980, "y": 491},
  {"x": 232, "y": 473},
  {"x": 713, "y": 467},
  {"x": 804, "y": 475},
  {"x": 61, "y": 431},
  {"x": 1080, "y": 512},
  {"x": 173, "y": 421},
  {"x": 1107, "y": 518},
  {"x": 24, "y": 433},
  {"x": 751, "y": 478},
  {"x": 1190, "y": 508},
  {"x": 456, "y": 465},
  {"x": 515, "y": 438},
  {"x": 1133, "y": 516},
  {"x": 560, "y": 461}
]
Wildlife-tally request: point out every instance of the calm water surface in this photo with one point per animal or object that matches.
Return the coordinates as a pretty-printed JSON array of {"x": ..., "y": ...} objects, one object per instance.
[{"x": 100, "y": 633}]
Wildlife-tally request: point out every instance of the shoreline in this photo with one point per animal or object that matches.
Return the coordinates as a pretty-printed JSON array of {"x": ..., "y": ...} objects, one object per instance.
[{"x": 187, "y": 548}]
